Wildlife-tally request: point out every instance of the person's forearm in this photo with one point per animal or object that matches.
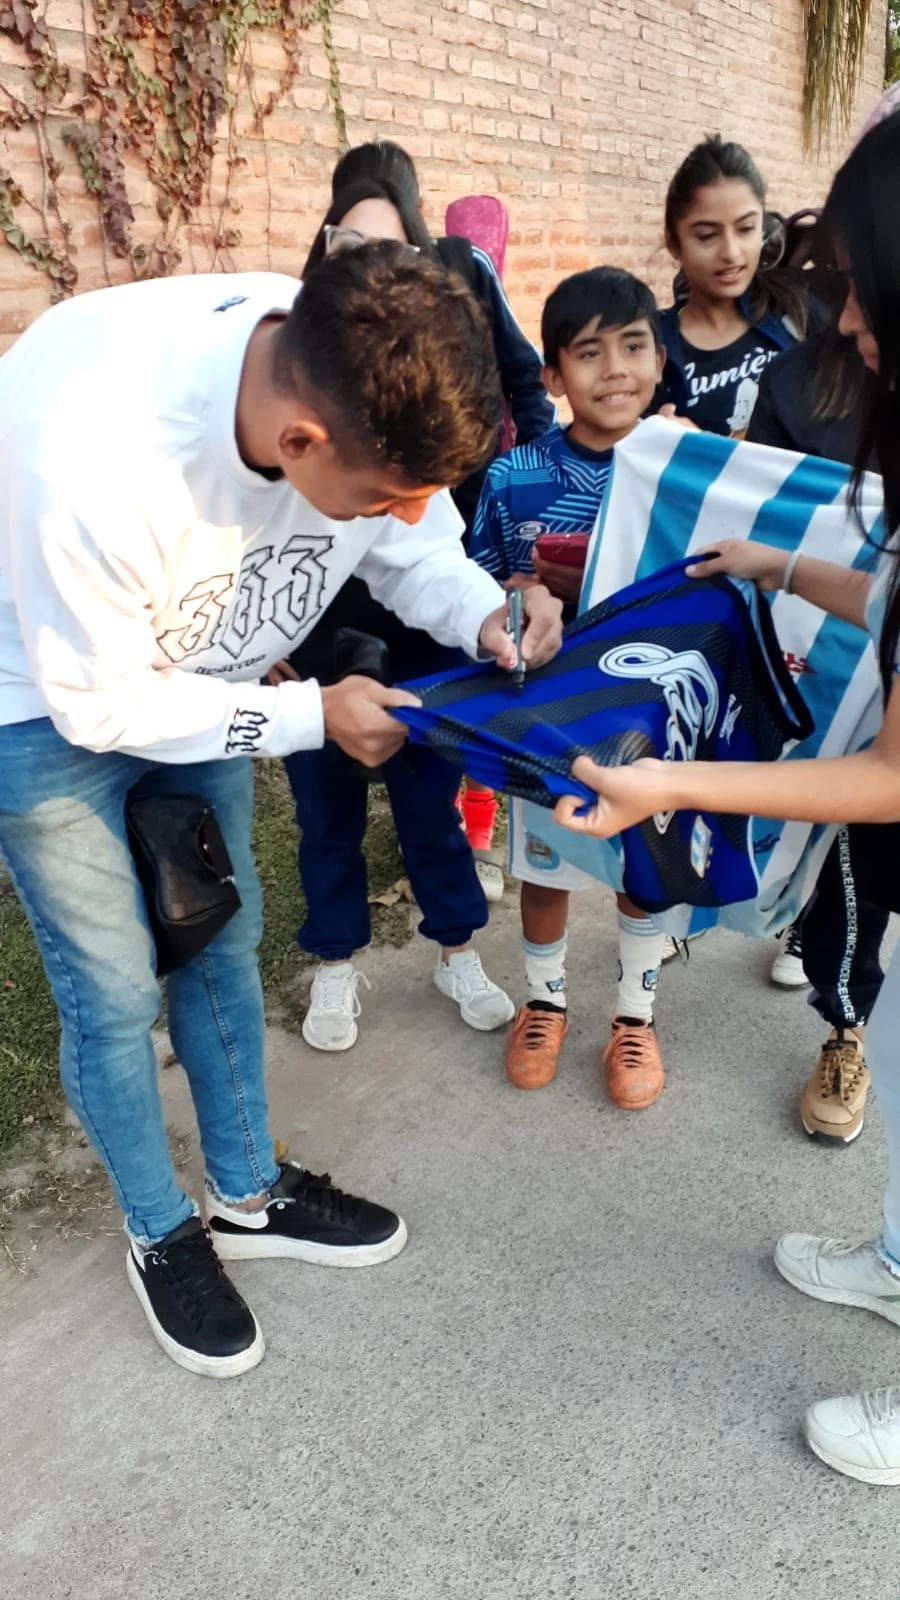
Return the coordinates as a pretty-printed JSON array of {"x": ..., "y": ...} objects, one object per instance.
[
  {"x": 857, "y": 788},
  {"x": 445, "y": 594},
  {"x": 832, "y": 588}
]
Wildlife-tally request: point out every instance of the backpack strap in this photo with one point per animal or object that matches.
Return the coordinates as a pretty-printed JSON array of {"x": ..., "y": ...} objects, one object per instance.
[{"x": 455, "y": 253}]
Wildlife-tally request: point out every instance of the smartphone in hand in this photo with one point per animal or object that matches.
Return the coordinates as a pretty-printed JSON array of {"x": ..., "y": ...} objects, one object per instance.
[{"x": 563, "y": 549}]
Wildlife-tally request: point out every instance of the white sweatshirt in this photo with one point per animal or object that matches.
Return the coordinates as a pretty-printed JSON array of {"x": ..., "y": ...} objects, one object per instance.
[{"x": 148, "y": 577}]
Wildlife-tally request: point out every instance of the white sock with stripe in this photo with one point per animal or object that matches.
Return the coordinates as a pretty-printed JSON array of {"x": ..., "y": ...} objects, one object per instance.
[
  {"x": 545, "y": 972},
  {"x": 640, "y": 958}
]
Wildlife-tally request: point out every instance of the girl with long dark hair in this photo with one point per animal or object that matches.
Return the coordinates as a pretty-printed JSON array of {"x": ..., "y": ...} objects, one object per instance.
[
  {"x": 330, "y": 795},
  {"x": 735, "y": 317},
  {"x": 811, "y": 401},
  {"x": 856, "y": 1434},
  {"x": 368, "y": 208}
]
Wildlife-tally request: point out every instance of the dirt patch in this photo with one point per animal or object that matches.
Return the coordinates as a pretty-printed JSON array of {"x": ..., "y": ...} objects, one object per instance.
[{"x": 57, "y": 1186}]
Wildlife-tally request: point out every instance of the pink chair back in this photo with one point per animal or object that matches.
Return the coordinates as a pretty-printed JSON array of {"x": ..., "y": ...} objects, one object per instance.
[{"x": 484, "y": 221}]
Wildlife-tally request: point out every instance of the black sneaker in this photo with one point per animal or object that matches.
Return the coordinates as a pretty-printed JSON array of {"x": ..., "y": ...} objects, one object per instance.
[
  {"x": 307, "y": 1218},
  {"x": 194, "y": 1311}
]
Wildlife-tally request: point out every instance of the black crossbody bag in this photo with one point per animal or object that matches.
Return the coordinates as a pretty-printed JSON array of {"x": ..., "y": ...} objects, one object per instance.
[{"x": 185, "y": 872}]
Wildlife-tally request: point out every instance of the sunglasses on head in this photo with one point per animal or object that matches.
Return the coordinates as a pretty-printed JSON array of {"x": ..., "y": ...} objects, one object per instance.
[{"x": 338, "y": 239}]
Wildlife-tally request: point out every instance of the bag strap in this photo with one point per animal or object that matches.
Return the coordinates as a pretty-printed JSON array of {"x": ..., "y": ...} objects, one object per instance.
[{"x": 456, "y": 254}]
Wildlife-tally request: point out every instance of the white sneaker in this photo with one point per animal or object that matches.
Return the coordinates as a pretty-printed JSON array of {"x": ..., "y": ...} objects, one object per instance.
[
  {"x": 490, "y": 876},
  {"x": 858, "y": 1434},
  {"x": 843, "y": 1274},
  {"x": 330, "y": 1022},
  {"x": 679, "y": 947},
  {"x": 787, "y": 968},
  {"x": 481, "y": 1003}
]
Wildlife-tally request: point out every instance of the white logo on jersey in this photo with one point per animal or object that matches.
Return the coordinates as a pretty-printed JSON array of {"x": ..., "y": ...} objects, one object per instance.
[
  {"x": 689, "y": 690},
  {"x": 729, "y": 721},
  {"x": 701, "y": 847}
]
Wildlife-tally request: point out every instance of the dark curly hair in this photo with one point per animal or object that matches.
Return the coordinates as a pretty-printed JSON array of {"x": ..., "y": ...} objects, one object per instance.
[{"x": 397, "y": 356}]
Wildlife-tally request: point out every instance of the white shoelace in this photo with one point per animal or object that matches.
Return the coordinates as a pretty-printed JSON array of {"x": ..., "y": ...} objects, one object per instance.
[
  {"x": 843, "y": 1247},
  {"x": 881, "y": 1407},
  {"x": 867, "y": 1255},
  {"x": 337, "y": 993},
  {"x": 467, "y": 969}
]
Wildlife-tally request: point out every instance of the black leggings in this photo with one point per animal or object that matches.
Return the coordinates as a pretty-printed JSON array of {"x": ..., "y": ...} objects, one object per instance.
[{"x": 844, "y": 926}]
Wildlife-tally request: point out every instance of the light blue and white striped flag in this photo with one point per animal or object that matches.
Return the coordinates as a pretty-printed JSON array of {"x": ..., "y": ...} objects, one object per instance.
[{"x": 674, "y": 491}]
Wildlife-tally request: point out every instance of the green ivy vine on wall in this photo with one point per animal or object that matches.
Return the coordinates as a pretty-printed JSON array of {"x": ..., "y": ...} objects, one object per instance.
[{"x": 160, "y": 77}]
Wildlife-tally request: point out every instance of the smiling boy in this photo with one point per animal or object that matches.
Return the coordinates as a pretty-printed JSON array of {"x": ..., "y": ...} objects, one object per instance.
[{"x": 602, "y": 354}]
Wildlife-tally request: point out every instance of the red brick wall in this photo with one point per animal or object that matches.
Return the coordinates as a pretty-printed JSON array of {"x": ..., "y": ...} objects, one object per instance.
[{"x": 575, "y": 113}]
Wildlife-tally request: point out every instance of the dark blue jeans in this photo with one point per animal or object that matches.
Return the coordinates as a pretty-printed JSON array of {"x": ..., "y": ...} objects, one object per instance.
[{"x": 332, "y": 812}]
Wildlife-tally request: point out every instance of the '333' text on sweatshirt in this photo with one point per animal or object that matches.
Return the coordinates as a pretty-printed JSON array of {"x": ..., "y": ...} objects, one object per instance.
[{"x": 148, "y": 577}]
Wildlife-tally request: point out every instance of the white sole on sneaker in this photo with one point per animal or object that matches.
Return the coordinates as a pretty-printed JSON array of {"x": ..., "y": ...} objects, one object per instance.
[
  {"x": 878, "y": 1475},
  {"x": 840, "y": 1297},
  {"x": 782, "y": 979},
  {"x": 192, "y": 1360},
  {"x": 831, "y": 1138},
  {"x": 253, "y": 1246},
  {"x": 340, "y": 1044},
  {"x": 487, "y": 1027},
  {"x": 492, "y": 881}
]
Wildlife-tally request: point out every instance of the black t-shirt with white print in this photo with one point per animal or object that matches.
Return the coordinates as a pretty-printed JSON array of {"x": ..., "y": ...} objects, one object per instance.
[{"x": 723, "y": 384}]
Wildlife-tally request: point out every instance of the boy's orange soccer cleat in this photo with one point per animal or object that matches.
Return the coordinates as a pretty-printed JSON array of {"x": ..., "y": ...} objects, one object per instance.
[
  {"x": 533, "y": 1045},
  {"x": 634, "y": 1069}
]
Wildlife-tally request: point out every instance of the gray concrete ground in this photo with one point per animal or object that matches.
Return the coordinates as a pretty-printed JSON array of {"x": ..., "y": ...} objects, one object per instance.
[{"x": 582, "y": 1381}]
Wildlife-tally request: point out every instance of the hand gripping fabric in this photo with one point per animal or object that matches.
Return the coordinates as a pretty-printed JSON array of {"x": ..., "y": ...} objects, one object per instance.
[{"x": 679, "y": 668}]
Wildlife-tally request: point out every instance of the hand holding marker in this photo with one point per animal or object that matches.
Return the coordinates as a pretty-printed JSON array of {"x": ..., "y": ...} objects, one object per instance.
[{"x": 515, "y": 613}]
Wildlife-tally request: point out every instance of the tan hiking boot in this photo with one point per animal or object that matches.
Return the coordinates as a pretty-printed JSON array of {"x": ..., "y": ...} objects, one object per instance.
[
  {"x": 533, "y": 1045},
  {"x": 833, "y": 1102}
]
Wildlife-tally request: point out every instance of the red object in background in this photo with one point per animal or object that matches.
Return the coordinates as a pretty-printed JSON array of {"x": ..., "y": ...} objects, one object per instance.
[
  {"x": 479, "y": 808},
  {"x": 563, "y": 549}
]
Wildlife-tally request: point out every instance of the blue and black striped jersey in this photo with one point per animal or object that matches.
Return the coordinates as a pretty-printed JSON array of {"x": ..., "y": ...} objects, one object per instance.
[
  {"x": 679, "y": 668},
  {"x": 548, "y": 486}
]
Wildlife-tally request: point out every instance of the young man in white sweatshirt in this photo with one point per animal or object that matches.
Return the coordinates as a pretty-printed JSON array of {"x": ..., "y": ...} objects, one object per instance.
[{"x": 189, "y": 470}]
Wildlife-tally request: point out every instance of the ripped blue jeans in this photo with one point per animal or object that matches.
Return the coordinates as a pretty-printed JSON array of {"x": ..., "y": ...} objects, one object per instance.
[{"x": 63, "y": 839}]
